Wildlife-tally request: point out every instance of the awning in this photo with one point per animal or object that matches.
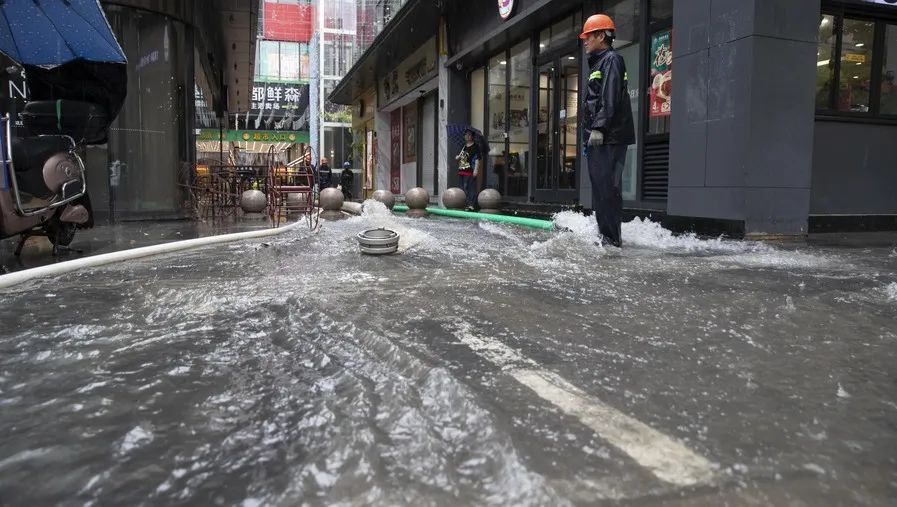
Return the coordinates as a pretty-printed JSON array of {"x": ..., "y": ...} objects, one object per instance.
[{"x": 415, "y": 23}]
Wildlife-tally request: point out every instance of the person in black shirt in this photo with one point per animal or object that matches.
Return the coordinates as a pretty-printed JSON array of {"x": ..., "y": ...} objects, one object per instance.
[
  {"x": 346, "y": 180},
  {"x": 325, "y": 175},
  {"x": 469, "y": 164}
]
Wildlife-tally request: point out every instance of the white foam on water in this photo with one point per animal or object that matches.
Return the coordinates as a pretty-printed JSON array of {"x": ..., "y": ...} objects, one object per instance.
[
  {"x": 374, "y": 208},
  {"x": 891, "y": 291},
  {"x": 137, "y": 437},
  {"x": 375, "y": 214},
  {"x": 647, "y": 234},
  {"x": 643, "y": 233},
  {"x": 813, "y": 467},
  {"x": 842, "y": 393}
]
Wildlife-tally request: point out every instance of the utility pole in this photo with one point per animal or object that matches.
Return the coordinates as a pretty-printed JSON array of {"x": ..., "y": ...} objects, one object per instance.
[{"x": 314, "y": 113}]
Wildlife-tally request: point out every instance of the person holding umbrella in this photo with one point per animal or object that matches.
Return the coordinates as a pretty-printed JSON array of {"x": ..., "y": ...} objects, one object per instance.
[
  {"x": 607, "y": 123},
  {"x": 469, "y": 164}
]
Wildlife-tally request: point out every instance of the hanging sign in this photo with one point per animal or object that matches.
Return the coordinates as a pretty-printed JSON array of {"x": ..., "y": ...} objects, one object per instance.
[{"x": 505, "y": 8}]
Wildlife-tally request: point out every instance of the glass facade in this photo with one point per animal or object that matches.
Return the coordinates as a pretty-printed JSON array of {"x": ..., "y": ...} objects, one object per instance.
[
  {"x": 628, "y": 19},
  {"x": 515, "y": 182},
  {"x": 281, "y": 62},
  {"x": 889, "y": 72},
  {"x": 856, "y": 64},
  {"x": 497, "y": 72},
  {"x": 151, "y": 142}
]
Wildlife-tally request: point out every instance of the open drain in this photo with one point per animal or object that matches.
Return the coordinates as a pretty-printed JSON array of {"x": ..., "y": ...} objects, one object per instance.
[{"x": 378, "y": 241}]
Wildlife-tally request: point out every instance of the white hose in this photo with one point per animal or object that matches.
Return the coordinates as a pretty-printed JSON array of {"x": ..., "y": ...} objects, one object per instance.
[
  {"x": 353, "y": 208},
  {"x": 18, "y": 277}
]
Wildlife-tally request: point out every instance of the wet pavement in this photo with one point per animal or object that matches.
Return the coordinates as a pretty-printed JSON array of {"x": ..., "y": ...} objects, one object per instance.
[{"x": 485, "y": 364}]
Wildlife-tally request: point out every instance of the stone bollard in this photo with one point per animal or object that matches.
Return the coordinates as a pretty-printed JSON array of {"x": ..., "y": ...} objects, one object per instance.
[
  {"x": 386, "y": 197},
  {"x": 253, "y": 201},
  {"x": 454, "y": 198},
  {"x": 331, "y": 201},
  {"x": 417, "y": 199},
  {"x": 489, "y": 201}
]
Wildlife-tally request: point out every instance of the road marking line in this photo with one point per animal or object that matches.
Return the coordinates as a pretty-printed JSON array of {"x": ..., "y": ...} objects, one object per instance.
[{"x": 666, "y": 457}]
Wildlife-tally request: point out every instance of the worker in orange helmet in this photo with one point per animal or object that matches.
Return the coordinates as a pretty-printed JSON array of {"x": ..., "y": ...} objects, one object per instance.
[{"x": 607, "y": 124}]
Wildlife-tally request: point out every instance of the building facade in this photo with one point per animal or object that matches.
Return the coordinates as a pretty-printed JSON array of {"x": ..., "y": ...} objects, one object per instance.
[
  {"x": 186, "y": 70},
  {"x": 776, "y": 120}
]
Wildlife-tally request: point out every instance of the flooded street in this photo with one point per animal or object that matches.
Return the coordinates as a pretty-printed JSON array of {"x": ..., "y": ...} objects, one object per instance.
[{"x": 486, "y": 364}]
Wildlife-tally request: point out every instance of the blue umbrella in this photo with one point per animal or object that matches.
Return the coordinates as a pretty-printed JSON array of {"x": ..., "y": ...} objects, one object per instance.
[
  {"x": 67, "y": 49},
  {"x": 47, "y": 33},
  {"x": 456, "y": 133}
]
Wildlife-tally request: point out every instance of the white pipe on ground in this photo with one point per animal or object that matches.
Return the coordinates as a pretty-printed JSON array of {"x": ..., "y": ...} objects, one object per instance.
[{"x": 15, "y": 278}]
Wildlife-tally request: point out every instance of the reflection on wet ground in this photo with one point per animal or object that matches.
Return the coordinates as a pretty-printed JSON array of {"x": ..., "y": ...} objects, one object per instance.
[{"x": 484, "y": 365}]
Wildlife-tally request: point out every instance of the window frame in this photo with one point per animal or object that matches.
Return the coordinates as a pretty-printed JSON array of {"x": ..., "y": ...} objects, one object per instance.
[{"x": 880, "y": 23}]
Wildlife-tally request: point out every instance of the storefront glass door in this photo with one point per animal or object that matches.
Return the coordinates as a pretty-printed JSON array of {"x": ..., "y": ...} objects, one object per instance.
[{"x": 557, "y": 150}]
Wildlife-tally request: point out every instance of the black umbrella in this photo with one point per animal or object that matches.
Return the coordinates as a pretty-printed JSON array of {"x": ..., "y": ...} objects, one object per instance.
[{"x": 67, "y": 49}]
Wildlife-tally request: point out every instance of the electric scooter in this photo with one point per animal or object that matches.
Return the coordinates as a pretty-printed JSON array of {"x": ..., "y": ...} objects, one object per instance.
[
  {"x": 76, "y": 75},
  {"x": 43, "y": 187}
]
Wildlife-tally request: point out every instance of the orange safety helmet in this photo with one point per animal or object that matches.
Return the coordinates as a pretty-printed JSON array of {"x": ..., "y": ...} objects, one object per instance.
[{"x": 597, "y": 22}]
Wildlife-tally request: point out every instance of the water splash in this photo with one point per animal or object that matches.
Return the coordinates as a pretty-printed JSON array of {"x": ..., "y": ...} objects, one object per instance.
[{"x": 891, "y": 291}]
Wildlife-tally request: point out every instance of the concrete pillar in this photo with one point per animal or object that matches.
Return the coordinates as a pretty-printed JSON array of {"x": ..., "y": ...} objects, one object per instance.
[
  {"x": 457, "y": 112},
  {"x": 741, "y": 140},
  {"x": 442, "y": 157},
  {"x": 382, "y": 164}
]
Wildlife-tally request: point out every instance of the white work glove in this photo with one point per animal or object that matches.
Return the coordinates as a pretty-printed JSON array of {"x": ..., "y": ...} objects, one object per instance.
[{"x": 596, "y": 138}]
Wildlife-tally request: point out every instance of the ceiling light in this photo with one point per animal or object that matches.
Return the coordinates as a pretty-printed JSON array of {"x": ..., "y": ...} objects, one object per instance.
[
  {"x": 821, "y": 63},
  {"x": 856, "y": 77},
  {"x": 860, "y": 44},
  {"x": 503, "y": 62},
  {"x": 541, "y": 45},
  {"x": 571, "y": 58}
]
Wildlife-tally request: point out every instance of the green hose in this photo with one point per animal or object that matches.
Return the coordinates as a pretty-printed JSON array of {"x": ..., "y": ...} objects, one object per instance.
[{"x": 507, "y": 219}]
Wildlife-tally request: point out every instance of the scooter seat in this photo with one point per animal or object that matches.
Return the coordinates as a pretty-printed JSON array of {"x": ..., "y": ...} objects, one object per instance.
[{"x": 85, "y": 122}]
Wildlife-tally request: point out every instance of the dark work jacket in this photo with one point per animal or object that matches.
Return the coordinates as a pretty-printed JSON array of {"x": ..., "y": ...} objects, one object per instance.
[
  {"x": 325, "y": 176},
  {"x": 346, "y": 179},
  {"x": 606, "y": 104}
]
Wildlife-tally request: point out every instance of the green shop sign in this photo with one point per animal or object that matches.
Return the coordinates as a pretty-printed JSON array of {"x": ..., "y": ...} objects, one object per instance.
[{"x": 263, "y": 136}]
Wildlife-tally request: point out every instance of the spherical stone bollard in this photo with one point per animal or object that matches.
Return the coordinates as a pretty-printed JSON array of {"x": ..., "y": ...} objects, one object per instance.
[
  {"x": 454, "y": 198},
  {"x": 386, "y": 197},
  {"x": 489, "y": 201},
  {"x": 253, "y": 201},
  {"x": 417, "y": 200},
  {"x": 331, "y": 201}
]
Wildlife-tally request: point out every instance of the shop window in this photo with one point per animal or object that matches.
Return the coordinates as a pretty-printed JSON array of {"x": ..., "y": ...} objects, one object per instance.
[
  {"x": 495, "y": 127},
  {"x": 889, "y": 72},
  {"x": 560, "y": 33},
  {"x": 856, "y": 62},
  {"x": 627, "y": 17},
  {"x": 825, "y": 60},
  {"x": 516, "y": 175},
  {"x": 661, "y": 11},
  {"x": 855, "y": 79}
]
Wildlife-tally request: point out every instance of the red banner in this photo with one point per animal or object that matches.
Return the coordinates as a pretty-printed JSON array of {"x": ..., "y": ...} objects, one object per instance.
[
  {"x": 288, "y": 22},
  {"x": 395, "y": 155}
]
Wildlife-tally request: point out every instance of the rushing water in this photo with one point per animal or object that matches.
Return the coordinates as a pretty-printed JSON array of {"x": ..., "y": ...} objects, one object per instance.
[{"x": 299, "y": 371}]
